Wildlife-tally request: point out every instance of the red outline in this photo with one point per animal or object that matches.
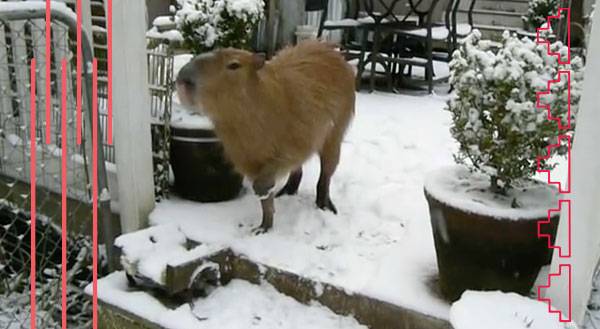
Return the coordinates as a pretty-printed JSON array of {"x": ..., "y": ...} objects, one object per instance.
[
  {"x": 547, "y": 106},
  {"x": 549, "y": 237},
  {"x": 32, "y": 187},
  {"x": 109, "y": 57},
  {"x": 548, "y": 155},
  {"x": 79, "y": 61},
  {"x": 548, "y": 43},
  {"x": 549, "y": 300},
  {"x": 48, "y": 72},
  {"x": 560, "y": 187},
  {"x": 64, "y": 191},
  {"x": 95, "y": 193}
]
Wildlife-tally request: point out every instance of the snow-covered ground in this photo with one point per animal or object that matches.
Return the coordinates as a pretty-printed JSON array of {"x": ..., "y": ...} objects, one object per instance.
[
  {"x": 380, "y": 244},
  {"x": 239, "y": 305},
  {"x": 496, "y": 310}
]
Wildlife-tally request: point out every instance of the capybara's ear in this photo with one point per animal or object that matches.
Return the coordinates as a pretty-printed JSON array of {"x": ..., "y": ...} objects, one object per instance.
[{"x": 259, "y": 60}]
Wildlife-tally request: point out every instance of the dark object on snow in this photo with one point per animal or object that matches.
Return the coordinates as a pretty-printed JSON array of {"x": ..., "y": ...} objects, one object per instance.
[
  {"x": 202, "y": 173},
  {"x": 479, "y": 252}
]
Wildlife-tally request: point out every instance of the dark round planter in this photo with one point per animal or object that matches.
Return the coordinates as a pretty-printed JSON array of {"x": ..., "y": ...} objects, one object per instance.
[
  {"x": 479, "y": 252},
  {"x": 202, "y": 173}
]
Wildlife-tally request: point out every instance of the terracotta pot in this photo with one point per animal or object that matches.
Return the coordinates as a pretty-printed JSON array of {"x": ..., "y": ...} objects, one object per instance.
[
  {"x": 476, "y": 251},
  {"x": 202, "y": 173}
]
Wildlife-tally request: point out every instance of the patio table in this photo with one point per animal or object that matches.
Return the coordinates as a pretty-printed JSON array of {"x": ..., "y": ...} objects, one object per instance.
[{"x": 399, "y": 50}]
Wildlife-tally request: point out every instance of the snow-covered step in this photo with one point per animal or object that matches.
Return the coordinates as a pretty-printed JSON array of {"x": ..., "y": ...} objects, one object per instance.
[
  {"x": 238, "y": 305},
  {"x": 514, "y": 6},
  {"x": 162, "y": 258},
  {"x": 493, "y": 17}
]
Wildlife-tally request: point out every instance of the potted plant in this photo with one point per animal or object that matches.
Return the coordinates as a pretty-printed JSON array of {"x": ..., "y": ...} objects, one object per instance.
[
  {"x": 202, "y": 173},
  {"x": 484, "y": 211},
  {"x": 537, "y": 14}
]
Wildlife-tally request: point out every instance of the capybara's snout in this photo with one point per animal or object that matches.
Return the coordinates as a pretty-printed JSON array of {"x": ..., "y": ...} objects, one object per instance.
[{"x": 186, "y": 84}]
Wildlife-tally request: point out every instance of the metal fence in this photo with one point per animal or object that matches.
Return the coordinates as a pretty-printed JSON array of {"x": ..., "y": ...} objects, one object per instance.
[
  {"x": 161, "y": 83},
  {"x": 22, "y": 38}
]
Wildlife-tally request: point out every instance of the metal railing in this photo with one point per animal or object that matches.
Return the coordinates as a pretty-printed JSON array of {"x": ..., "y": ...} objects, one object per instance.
[{"x": 22, "y": 38}]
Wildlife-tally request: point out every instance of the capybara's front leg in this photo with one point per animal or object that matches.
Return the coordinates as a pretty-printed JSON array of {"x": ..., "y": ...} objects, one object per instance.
[{"x": 263, "y": 187}]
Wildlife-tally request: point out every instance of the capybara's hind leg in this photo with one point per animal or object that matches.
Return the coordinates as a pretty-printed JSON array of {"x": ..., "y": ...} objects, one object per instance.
[
  {"x": 291, "y": 187},
  {"x": 263, "y": 188},
  {"x": 330, "y": 156}
]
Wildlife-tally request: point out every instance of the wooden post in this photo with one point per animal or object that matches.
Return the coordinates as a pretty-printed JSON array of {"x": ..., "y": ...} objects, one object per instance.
[
  {"x": 586, "y": 193},
  {"x": 291, "y": 15},
  {"x": 131, "y": 110}
]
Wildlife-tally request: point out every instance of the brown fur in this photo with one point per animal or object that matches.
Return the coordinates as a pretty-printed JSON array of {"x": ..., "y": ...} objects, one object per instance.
[{"x": 271, "y": 117}]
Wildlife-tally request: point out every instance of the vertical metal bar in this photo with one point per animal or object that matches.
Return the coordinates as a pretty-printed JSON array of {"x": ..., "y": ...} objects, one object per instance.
[{"x": 20, "y": 61}]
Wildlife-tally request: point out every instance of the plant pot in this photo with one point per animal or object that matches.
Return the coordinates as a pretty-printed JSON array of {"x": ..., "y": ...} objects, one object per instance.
[
  {"x": 202, "y": 173},
  {"x": 482, "y": 245}
]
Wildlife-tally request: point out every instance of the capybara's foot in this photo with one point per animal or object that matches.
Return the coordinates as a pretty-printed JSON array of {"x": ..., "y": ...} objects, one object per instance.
[
  {"x": 261, "y": 230},
  {"x": 327, "y": 204}
]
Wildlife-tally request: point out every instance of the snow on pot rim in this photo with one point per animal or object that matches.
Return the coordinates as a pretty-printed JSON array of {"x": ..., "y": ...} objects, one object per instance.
[
  {"x": 181, "y": 118},
  {"x": 498, "y": 310},
  {"x": 458, "y": 187}
]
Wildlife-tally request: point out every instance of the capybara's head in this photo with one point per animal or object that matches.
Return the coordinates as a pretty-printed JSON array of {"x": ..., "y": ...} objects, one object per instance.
[{"x": 219, "y": 70}]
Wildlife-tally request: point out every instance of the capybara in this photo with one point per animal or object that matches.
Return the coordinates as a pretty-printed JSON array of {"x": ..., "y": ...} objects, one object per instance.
[{"x": 271, "y": 116}]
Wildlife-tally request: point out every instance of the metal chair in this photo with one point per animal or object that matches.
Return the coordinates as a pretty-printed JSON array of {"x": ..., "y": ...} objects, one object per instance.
[{"x": 408, "y": 51}]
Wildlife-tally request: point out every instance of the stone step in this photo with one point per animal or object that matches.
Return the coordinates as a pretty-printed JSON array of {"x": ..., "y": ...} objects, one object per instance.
[
  {"x": 513, "y": 6},
  {"x": 492, "y": 18}
]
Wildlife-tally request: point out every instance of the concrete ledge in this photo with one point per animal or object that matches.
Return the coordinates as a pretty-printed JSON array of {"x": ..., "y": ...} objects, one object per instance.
[{"x": 369, "y": 311}]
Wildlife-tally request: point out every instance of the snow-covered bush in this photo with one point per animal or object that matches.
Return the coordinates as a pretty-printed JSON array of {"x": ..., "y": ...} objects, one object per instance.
[
  {"x": 495, "y": 119},
  {"x": 209, "y": 24},
  {"x": 538, "y": 12}
]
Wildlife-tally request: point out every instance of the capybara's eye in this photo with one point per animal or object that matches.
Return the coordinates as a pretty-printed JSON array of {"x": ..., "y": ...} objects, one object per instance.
[{"x": 234, "y": 65}]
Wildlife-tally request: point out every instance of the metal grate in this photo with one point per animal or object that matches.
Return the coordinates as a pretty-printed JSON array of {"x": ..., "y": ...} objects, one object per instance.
[{"x": 21, "y": 40}]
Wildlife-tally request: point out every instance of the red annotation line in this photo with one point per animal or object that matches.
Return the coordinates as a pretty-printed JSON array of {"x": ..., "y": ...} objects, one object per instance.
[
  {"x": 32, "y": 185},
  {"x": 567, "y": 271},
  {"x": 48, "y": 73},
  {"x": 563, "y": 269},
  {"x": 79, "y": 55},
  {"x": 110, "y": 66},
  {"x": 95, "y": 193},
  {"x": 64, "y": 191}
]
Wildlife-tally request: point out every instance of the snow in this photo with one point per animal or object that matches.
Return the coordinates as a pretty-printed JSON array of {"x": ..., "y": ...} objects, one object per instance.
[
  {"x": 346, "y": 22},
  {"x": 441, "y": 32},
  {"x": 380, "y": 244},
  {"x": 170, "y": 35},
  {"x": 261, "y": 307},
  {"x": 14, "y": 140},
  {"x": 496, "y": 310},
  {"x": 38, "y": 6},
  {"x": 183, "y": 119},
  {"x": 456, "y": 186},
  {"x": 164, "y": 21},
  {"x": 148, "y": 252}
]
